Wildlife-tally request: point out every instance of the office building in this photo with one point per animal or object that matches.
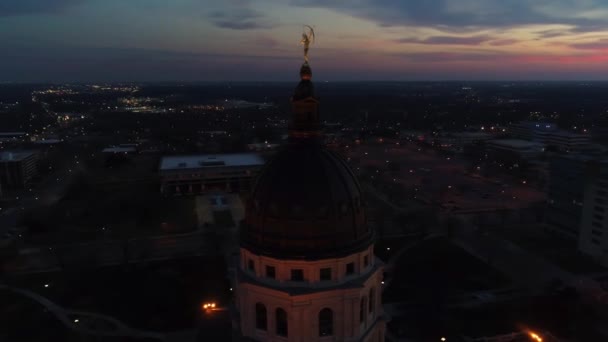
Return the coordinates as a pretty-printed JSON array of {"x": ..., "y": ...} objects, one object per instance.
[
  {"x": 204, "y": 173},
  {"x": 593, "y": 239}
]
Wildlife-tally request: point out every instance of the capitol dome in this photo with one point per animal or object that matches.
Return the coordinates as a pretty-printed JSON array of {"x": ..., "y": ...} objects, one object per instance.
[{"x": 306, "y": 203}]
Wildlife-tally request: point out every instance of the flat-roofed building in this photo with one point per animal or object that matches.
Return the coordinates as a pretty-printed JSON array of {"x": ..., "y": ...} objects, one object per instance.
[
  {"x": 566, "y": 141},
  {"x": 550, "y": 135},
  {"x": 458, "y": 140},
  {"x": 531, "y": 130},
  {"x": 7, "y": 136},
  {"x": 203, "y": 173},
  {"x": 593, "y": 239},
  {"x": 565, "y": 193},
  {"x": 17, "y": 168},
  {"x": 523, "y": 148}
]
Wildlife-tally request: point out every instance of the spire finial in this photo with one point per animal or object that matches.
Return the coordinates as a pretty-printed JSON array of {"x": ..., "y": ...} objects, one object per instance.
[
  {"x": 307, "y": 39},
  {"x": 305, "y": 124}
]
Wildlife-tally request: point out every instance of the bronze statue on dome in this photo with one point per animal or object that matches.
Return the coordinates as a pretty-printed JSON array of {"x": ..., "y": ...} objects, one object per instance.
[{"x": 307, "y": 39}]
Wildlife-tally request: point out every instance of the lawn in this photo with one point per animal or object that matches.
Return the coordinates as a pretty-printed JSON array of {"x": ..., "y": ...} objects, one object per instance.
[
  {"x": 94, "y": 213},
  {"x": 562, "y": 252},
  {"x": 223, "y": 218},
  {"x": 20, "y": 314},
  {"x": 561, "y": 315},
  {"x": 436, "y": 269},
  {"x": 158, "y": 296}
]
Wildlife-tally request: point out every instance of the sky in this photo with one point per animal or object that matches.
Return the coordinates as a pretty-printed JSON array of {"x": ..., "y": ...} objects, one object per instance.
[{"x": 258, "y": 40}]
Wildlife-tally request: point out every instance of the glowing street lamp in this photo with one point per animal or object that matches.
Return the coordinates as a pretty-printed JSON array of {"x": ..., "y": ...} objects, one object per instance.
[
  {"x": 209, "y": 306},
  {"x": 535, "y": 336}
]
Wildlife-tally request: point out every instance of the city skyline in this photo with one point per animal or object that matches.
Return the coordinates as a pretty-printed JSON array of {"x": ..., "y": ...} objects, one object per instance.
[{"x": 242, "y": 40}]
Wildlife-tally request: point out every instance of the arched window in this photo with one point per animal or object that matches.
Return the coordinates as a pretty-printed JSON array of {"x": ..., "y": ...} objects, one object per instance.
[
  {"x": 261, "y": 320},
  {"x": 281, "y": 322},
  {"x": 326, "y": 322},
  {"x": 372, "y": 300},
  {"x": 362, "y": 310}
]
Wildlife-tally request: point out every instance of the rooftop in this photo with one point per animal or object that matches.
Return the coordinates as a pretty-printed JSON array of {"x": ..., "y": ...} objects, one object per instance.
[
  {"x": 472, "y": 135},
  {"x": 119, "y": 150},
  {"x": 210, "y": 160},
  {"x": 567, "y": 134},
  {"x": 11, "y": 134},
  {"x": 48, "y": 141},
  {"x": 516, "y": 143},
  {"x": 15, "y": 155}
]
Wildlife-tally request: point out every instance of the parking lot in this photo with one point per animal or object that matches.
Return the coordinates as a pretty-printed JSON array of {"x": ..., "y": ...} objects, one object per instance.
[{"x": 433, "y": 178}]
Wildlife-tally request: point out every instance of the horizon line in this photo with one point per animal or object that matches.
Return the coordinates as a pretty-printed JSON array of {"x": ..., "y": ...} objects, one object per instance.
[{"x": 290, "y": 81}]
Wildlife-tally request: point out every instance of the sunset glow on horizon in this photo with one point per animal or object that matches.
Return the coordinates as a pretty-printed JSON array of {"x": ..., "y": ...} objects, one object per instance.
[{"x": 216, "y": 40}]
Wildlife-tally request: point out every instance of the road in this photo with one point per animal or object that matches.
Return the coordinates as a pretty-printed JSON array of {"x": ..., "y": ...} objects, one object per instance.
[{"x": 85, "y": 322}]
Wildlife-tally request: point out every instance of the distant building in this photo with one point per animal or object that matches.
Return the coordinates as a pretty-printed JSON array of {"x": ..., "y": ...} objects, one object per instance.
[
  {"x": 531, "y": 130},
  {"x": 522, "y": 148},
  {"x": 600, "y": 131},
  {"x": 550, "y": 135},
  {"x": 594, "y": 227},
  {"x": 565, "y": 194},
  {"x": 17, "y": 168},
  {"x": 120, "y": 150},
  {"x": 201, "y": 173},
  {"x": 12, "y": 136},
  {"x": 565, "y": 141},
  {"x": 266, "y": 146},
  {"x": 457, "y": 141}
]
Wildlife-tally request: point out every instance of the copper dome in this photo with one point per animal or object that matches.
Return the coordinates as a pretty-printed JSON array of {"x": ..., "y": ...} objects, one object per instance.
[{"x": 306, "y": 204}]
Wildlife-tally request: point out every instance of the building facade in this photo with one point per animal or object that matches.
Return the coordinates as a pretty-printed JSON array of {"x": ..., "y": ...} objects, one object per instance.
[
  {"x": 565, "y": 194},
  {"x": 549, "y": 134},
  {"x": 183, "y": 175},
  {"x": 593, "y": 239},
  {"x": 307, "y": 270},
  {"x": 17, "y": 169}
]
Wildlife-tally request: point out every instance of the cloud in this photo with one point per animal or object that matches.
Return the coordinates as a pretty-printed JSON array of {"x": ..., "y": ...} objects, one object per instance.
[
  {"x": 443, "y": 57},
  {"x": 496, "y": 61},
  {"x": 502, "y": 42},
  {"x": 470, "y": 13},
  {"x": 447, "y": 40},
  {"x": 240, "y": 19},
  {"x": 27, "y": 62},
  {"x": 266, "y": 41},
  {"x": 25, "y": 7},
  {"x": 601, "y": 44}
]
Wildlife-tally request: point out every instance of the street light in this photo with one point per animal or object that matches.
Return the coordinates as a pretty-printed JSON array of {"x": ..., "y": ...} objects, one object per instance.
[
  {"x": 443, "y": 339},
  {"x": 535, "y": 336},
  {"x": 209, "y": 306}
]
